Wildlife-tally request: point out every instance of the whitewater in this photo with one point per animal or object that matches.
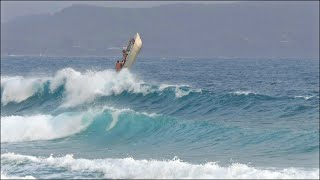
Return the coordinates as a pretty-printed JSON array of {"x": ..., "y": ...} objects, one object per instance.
[{"x": 75, "y": 117}]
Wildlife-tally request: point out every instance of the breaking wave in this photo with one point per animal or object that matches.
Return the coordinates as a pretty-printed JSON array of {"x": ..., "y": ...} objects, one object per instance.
[
  {"x": 42, "y": 127},
  {"x": 129, "y": 168},
  {"x": 48, "y": 127},
  {"x": 79, "y": 88}
]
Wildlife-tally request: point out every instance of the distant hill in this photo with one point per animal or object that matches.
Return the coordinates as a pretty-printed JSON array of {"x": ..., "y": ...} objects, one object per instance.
[{"x": 246, "y": 29}]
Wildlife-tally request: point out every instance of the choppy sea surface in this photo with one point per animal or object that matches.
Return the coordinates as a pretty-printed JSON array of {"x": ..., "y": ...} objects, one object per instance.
[{"x": 75, "y": 117}]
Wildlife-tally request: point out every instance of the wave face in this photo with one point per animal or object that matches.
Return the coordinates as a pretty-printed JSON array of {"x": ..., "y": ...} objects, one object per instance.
[{"x": 204, "y": 118}]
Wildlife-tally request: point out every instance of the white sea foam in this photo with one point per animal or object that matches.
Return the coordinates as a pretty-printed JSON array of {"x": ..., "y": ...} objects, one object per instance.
[
  {"x": 243, "y": 92},
  {"x": 113, "y": 109},
  {"x": 304, "y": 97},
  {"x": 115, "y": 118},
  {"x": 43, "y": 127},
  {"x": 115, "y": 113},
  {"x": 4, "y": 176},
  {"x": 85, "y": 87},
  {"x": 164, "y": 86},
  {"x": 146, "y": 169},
  {"x": 179, "y": 91}
]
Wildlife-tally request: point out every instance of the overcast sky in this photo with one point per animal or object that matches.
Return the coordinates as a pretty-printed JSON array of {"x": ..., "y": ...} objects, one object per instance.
[{"x": 12, "y": 9}]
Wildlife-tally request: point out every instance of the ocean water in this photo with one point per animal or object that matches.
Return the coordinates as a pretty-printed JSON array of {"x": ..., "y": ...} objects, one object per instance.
[{"x": 75, "y": 117}]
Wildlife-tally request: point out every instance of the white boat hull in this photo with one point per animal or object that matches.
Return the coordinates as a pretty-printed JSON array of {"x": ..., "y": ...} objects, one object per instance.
[{"x": 132, "y": 56}]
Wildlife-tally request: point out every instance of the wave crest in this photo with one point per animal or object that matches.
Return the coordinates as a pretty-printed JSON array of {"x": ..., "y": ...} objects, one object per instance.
[
  {"x": 79, "y": 88},
  {"x": 18, "y": 89},
  {"x": 85, "y": 87}
]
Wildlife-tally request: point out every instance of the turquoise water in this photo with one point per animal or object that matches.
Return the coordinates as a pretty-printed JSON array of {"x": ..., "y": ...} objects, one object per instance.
[{"x": 75, "y": 117}]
